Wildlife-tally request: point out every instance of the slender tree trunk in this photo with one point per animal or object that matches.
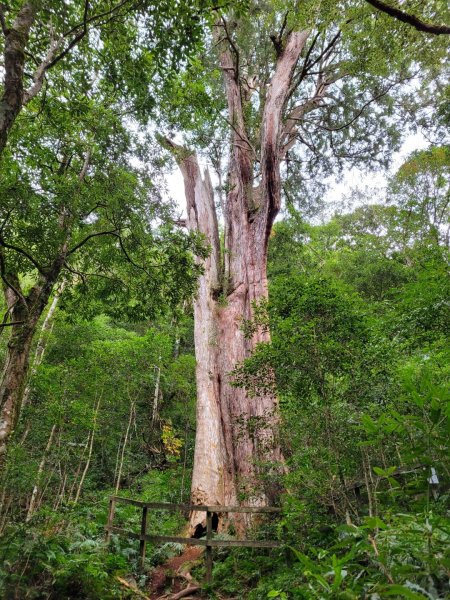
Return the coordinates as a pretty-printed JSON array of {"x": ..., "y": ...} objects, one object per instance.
[
  {"x": 46, "y": 330},
  {"x": 26, "y": 312},
  {"x": 78, "y": 471},
  {"x": 91, "y": 445},
  {"x": 13, "y": 382},
  {"x": 122, "y": 454},
  {"x": 61, "y": 491},
  {"x": 116, "y": 468},
  {"x": 5, "y": 512},
  {"x": 34, "y": 494},
  {"x": 156, "y": 396},
  {"x": 236, "y": 434}
]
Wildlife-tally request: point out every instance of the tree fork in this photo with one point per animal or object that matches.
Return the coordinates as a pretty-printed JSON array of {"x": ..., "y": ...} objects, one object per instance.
[{"x": 235, "y": 434}]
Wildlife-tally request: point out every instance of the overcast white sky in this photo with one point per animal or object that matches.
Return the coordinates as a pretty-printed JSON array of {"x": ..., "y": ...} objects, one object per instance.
[{"x": 352, "y": 178}]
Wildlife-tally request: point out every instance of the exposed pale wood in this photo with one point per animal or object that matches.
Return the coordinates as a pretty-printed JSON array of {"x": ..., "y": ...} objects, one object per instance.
[
  {"x": 122, "y": 454},
  {"x": 183, "y": 593},
  {"x": 156, "y": 395},
  {"x": 227, "y": 456},
  {"x": 210, "y": 477},
  {"x": 91, "y": 445},
  {"x": 272, "y": 126},
  {"x": 46, "y": 330}
]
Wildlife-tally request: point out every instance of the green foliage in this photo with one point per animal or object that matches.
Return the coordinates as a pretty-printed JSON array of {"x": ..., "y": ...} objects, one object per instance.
[
  {"x": 359, "y": 322},
  {"x": 358, "y": 310},
  {"x": 64, "y": 555}
]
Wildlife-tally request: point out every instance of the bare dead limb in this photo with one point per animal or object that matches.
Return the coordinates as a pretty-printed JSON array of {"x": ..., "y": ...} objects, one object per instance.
[{"x": 189, "y": 590}]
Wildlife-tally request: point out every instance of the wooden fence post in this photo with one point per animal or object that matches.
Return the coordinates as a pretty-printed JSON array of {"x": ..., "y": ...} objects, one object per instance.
[
  {"x": 209, "y": 559},
  {"x": 110, "y": 520},
  {"x": 143, "y": 541}
]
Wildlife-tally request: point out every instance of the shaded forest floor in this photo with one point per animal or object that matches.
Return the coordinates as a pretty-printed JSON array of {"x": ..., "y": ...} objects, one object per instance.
[{"x": 172, "y": 577}]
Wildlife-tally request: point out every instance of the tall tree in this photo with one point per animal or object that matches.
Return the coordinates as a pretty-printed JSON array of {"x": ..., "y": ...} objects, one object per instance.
[
  {"x": 40, "y": 38},
  {"x": 311, "y": 96},
  {"x": 60, "y": 148},
  {"x": 74, "y": 209}
]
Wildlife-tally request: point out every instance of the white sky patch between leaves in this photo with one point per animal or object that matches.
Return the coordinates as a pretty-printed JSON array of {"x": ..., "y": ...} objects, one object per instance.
[{"x": 353, "y": 177}]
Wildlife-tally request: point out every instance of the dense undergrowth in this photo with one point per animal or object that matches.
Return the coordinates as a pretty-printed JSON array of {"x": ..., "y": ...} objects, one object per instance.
[
  {"x": 64, "y": 555},
  {"x": 360, "y": 352}
]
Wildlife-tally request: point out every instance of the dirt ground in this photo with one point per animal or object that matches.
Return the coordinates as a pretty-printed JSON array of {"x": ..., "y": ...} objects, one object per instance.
[{"x": 167, "y": 579}]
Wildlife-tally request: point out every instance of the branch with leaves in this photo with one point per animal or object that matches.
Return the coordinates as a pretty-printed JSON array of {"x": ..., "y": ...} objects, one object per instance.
[{"x": 412, "y": 20}]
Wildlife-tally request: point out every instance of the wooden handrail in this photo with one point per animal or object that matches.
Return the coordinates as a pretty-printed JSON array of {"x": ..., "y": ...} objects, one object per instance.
[
  {"x": 197, "y": 507},
  {"x": 209, "y": 542}
]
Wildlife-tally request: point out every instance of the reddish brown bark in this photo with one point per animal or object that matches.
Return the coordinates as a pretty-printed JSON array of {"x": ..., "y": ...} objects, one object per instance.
[{"x": 236, "y": 434}]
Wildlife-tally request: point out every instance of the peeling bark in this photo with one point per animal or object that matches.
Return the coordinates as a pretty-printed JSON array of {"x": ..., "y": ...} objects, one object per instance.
[
  {"x": 16, "y": 39},
  {"x": 236, "y": 434}
]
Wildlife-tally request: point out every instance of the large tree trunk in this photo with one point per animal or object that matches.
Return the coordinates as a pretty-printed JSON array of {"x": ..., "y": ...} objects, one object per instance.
[
  {"x": 12, "y": 100},
  {"x": 11, "y": 387},
  {"x": 25, "y": 312},
  {"x": 236, "y": 435}
]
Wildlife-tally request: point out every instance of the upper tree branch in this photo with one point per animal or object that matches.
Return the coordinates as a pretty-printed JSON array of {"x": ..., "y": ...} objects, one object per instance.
[
  {"x": 230, "y": 70},
  {"x": 128, "y": 257},
  {"x": 271, "y": 131},
  {"x": 410, "y": 19},
  {"x": 15, "y": 288},
  {"x": 52, "y": 58},
  {"x": 113, "y": 232},
  {"x": 12, "y": 323},
  {"x": 277, "y": 40},
  {"x": 75, "y": 40},
  {"x": 39, "y": 74},
  {"x": 23, "y": 252},
  {"x": 233, "y": 46},
  {"x": 298, "y": 112},
  {"x": 362, "y": 109},
  {"x": 97, "y": 17}
]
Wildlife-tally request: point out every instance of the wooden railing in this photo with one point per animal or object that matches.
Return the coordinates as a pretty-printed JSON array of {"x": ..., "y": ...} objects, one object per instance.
[{"x": 209, "y": 542}]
